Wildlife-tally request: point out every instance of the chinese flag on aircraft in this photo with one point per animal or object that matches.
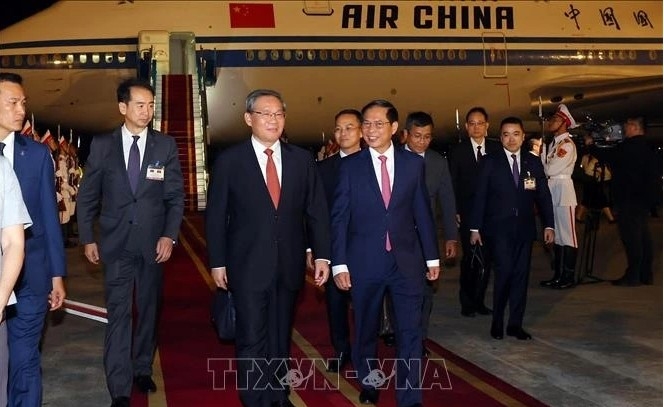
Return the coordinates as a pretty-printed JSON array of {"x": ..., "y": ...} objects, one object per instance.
[{"x": 251, "y": 15}]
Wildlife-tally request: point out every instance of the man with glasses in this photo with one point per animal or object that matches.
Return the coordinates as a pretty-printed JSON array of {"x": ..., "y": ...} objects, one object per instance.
[
  {"x": 263, "y": 194},
  {"x": 383, "y": 241},
  {"x": 559, "y": 161},
  {"x": 418, "y": 133},
  {"x": 465, "y": 160}
]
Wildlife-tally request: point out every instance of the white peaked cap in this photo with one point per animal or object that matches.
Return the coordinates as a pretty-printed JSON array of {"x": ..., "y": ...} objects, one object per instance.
[{"x": 563, "y": 113}]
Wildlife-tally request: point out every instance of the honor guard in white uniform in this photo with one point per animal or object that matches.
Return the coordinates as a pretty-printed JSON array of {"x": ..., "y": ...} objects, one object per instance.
[{"x": 559, "y": 160}]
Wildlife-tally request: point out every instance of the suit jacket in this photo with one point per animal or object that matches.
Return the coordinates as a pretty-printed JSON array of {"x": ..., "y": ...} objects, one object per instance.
[
  {"x": 44, "y": 249},
  {"x": 360, "y": 220},
  {"x": 154, "y": 211},
  {"x": 439, "y": 184},
  {"x": 464, "y": 169},
  {"x": 245, "y": 233},
  {"x": 329, "y": 172},
  {"x": 502, "y": 209}
]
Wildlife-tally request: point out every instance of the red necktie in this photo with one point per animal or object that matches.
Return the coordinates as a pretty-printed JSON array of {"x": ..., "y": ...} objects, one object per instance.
[
  {"x": 272, "y": 179},
  {"x": 386, "y": 192}
]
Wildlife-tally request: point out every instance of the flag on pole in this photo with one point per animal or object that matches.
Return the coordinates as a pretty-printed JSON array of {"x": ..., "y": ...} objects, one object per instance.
[
  {"x": 46, "y": 137},
  {"x": 27, "y": 129},
  {"x": 251, "y": 15}
]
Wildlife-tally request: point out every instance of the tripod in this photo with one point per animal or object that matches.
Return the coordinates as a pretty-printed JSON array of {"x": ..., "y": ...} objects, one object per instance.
[{"x": 587, "y": 262}]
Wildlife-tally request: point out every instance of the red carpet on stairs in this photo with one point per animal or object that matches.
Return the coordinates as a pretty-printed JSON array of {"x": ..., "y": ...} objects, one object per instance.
[{"x": 193, "y": 360}]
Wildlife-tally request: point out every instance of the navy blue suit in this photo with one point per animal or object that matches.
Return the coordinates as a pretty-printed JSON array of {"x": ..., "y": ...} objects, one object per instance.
[
  {"x": 44, "y": 259},
  {"x": 360, "y": 222},
  {"x": 505, "y": 216}
]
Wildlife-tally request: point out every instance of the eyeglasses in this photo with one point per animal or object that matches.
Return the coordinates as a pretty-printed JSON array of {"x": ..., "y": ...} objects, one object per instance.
[
  {"x": 476, "y": 124},
  {"x": 268, "y": 116},
  {"x": 347, "y": 129},
  {"x": 421, "y": 137},
  {"x": 377, "y": 124}
]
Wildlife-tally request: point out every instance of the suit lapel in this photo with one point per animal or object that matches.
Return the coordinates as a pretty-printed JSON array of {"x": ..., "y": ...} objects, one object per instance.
[
  {"x": 288, "y": 169},
  {"x": 148, "y": 158},
  {"x": 116, "y": 142},
  {"x": 371, "y": 175},
  {"x": 256, "y": 175}
]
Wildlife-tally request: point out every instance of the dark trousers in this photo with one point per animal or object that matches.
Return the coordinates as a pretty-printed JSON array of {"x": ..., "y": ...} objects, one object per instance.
[
  {"x": 406, "y": 293},
  {"x": 511, "y": 266},
  {"x": 130, "y": 278},
  {"x": 636, "y": 239},
  {"x": 25, "y": 324},
  {"x": 338, "y": 302},
  {"x": 427, "y": 306},
  {"x": 472, "y": 286},
  {"x": 264, "y": 320}
]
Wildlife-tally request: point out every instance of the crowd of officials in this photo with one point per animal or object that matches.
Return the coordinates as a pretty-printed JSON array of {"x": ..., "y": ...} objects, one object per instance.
[{"x": 366, "y": 221}]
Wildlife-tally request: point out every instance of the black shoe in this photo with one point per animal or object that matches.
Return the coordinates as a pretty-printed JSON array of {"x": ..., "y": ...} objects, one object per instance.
[
  {"x": 120, "y": 402},
  {"x": 369, "y": 396},
  {"x": 467, "y": 313},
  {"x": 282, "y": 403},
  {"x": 519, "y": 333},
  {"x": 389, "y": 340},
  {"x": 497, "y": 331},
  {"x": 482, "y": 310},
  {"x": 564, "y": 284},
  {"x": 550, "y": 283},
  {"x": 338, "y": 363},
  {"x": 145, "y": 384}
]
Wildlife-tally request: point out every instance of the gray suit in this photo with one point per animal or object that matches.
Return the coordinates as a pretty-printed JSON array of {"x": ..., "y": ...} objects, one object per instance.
[
  {"x": 130, "y": 225},
  {"x": 441, "y": 195}
]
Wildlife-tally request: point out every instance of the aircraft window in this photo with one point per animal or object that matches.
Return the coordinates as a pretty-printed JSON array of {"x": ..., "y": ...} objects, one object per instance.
[
  {"x": 394, "y": 54},
  {"x": 122, "y": 57},
  {"x": 274, "y": 55},
  {"x": 359, "y": 54},
  {"x": 428, "y": 54},
  {"x": 621, "y": 55},
  {"x": 299, "y": 55},
  {"x": 371, "y": 54},
  {"x": 440, "y": 54},
  {"x": 451, "y": 54},
  {"x": 250, "y": 55},
  {"x": 262, "y": 55},
  {"x": 335, "y": 54},
  {"x": 347, "y": 54},
  {"x": 108, "y": 58},
  {"x": 417, "y": 54},
  {"x": 611, "y": 55},
  {"x": 632, "y": 55},
  {"x": 57, "y": 59},
  {"x": 18, "y": 60},
  {"x": 5, "y": 61},
  {"x": 463, "y": 55},
  {"x": 652, "y": 55},
  {"x": 288, "y": 54},
  {"x": 322, "y": 54},
  {"x": 70, "y": 59},
  {"x": 83, "y": 58},
  {"x": 382, "y": 54},
  {"x": 311, "y": 55},
  {"x": 405, "y": 54},
  {"x": 95, "y": 58},
  {"x": 32, "y": 60}
]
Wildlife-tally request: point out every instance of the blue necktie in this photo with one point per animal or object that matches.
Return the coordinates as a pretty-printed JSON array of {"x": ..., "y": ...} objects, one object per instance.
[
  {"x": 134, "y": 165},
  {"x": 515, "y": 170}
]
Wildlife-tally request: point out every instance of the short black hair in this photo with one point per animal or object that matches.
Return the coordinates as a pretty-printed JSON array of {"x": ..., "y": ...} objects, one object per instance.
[
  {"x": 352, "y": 112},
  {"x": 124, "y": 88},
  {"x": 392, "y": 113},
  {"x": 11, "y": 77},
  {"x": 480, "y": 110},
  {"x": 512, "y": 120},
  {"x": 418, "y": 119}
]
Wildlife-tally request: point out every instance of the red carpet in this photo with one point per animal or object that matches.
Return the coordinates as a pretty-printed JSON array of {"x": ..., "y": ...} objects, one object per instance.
[{"x": 187, "y": 343}]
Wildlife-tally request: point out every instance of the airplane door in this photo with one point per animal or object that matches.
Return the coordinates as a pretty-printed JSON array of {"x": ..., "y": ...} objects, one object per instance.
[
  {"x": 158, "y": 42},
  {"x": 183, "y": 53},
  {"x": 494, "y": 52}
]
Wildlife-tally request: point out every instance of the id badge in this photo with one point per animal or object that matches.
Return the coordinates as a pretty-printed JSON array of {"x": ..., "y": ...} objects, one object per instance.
[
  {"x": 155, "y": 172},
  {"x": 529, "y": 183}
]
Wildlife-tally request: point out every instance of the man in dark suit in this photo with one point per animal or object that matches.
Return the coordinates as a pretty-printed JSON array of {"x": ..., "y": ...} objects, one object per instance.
[
  {"x": 263, "y": 195},
  {"x": 348, "y": 136},
  {"x": 634, "y": 192},
  {"x": 40, "y": 286},
  {"x": 418, "y": 132},
  {"x": 509, "y": 185},
  {"x": 384, "y": 240},
  {"x": 136, "y": 174},
  {"x": 464, "y": 166}
]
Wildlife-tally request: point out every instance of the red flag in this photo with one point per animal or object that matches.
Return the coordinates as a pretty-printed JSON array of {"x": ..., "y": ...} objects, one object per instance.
[
  {"x": 46, "y": 137},
  {"x": 27, "y": 129},
  {"x": 249, "y": 15}
]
